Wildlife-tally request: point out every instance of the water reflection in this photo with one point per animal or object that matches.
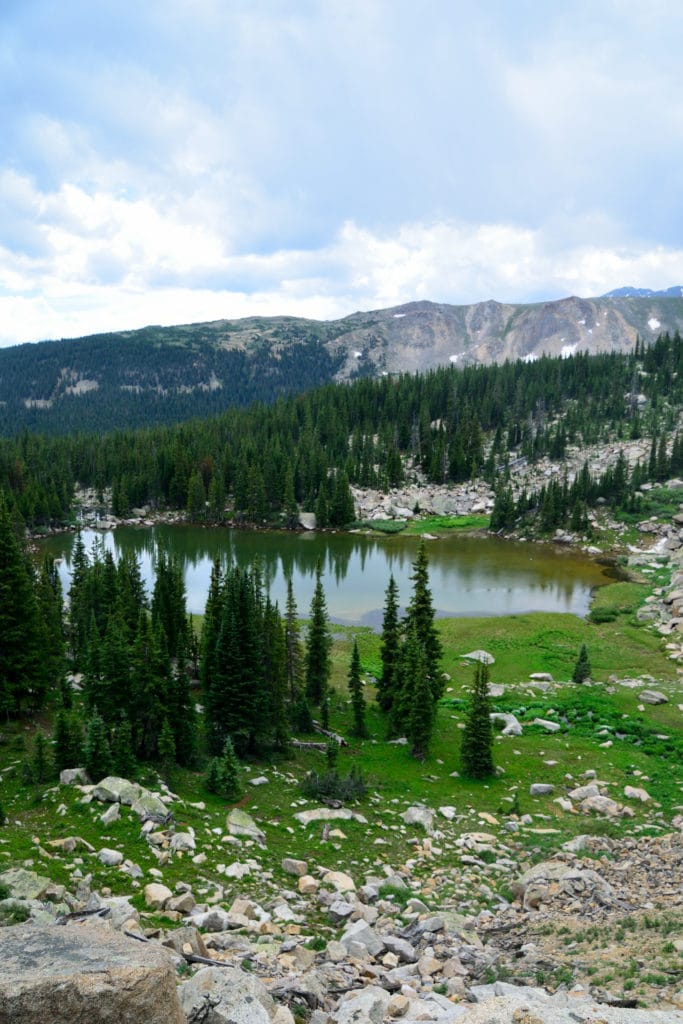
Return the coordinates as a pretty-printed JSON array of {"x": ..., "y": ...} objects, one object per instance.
[{"x": 469, "y": 575}]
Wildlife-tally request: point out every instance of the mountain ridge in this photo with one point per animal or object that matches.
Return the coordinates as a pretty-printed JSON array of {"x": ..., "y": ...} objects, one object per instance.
[{"x": 165, "y": 374}]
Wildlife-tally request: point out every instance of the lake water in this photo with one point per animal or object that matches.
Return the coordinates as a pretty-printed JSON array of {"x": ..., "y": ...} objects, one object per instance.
[{"x": 469, "y": 575}]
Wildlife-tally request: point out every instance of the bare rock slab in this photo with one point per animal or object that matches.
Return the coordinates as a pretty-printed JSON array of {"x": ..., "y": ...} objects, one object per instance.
[
  {"x": 84, "y": 974},
  {"x": 226, "y": 996}
]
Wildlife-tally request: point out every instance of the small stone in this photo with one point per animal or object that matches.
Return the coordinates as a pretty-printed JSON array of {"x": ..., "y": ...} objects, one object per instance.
[
  {"x": 541, "y": 789},
  {"x": 112, "y": 814},
  {"x": 398, "y": 1005},
  {"x": 110, "y": 858},
  {"x": 340, "y": 881},
  {"x": 294, "y": 867},
  {"x": 156, "y": 895},
  {"x": 308, "y": 885},
  {"x": 653, "y": 697}
]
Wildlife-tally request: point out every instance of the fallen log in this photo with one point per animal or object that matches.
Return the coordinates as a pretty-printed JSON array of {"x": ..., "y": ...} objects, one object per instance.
[
  {"x": 317, "y": 727},
  {"x": 301, "y": 745}
]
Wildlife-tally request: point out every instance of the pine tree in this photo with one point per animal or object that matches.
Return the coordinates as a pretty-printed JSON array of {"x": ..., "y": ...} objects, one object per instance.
[
  {"x": 122, "y": 756},
  {"x": 96, "y": 752},
  {"x": 289, "y": 505},
  {"x": 293, "y": 649},
  {"x": 41, "y": 763},
  {"x": 582, "y": 668},
  {"x": 421, "y": 614},
  {"x": 302, "y": 717},
  {"x": 318, "y": 644},
  {"x": 67, "y": 740},
  {"x": 417, "y": 702},
  {"x": 196, "y": 498},
  {"x": 390, "y": 649},
  {"x": 213, "y": 776},
  {"x": 167, "y": 754},
  {"x": 476, "y": 752},
  {"x": 356, "y": 691},
  {"x": 23, "y": 678},
  {"x": 230, "y": 785}
]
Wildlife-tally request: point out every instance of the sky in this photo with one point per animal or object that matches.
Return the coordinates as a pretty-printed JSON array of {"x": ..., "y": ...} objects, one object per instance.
[{"x": 174, "y": 161}]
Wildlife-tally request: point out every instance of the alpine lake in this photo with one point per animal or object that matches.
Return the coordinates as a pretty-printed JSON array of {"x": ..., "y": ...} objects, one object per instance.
[{"x": 470, "y": 575}]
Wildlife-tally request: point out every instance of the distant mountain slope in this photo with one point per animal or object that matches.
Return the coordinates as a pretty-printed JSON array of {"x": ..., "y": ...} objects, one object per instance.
[
  {"x": 166, "y": 374},
  {"x": 675, "y": 292}
]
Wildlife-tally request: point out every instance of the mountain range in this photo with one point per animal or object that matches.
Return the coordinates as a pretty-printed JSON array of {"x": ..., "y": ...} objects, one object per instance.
[{"x": 165, "y": 374}]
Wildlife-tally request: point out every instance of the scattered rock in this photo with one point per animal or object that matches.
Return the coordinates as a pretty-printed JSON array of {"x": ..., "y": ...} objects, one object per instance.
[
  {"x": 226, "y": 995},
  {"x": 653, "y": 697},
  {"x": 241, "y": 824}
]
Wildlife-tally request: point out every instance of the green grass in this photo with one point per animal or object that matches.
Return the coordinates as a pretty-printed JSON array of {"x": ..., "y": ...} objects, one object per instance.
[
  {"x": 387, "y": 526},
  {"x": 443, "y": 524},
  {"x": 520, "y": 644}
]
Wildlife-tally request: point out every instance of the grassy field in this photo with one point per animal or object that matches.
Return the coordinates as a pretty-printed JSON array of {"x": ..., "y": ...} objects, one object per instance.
[{"x": 603, "y": 727}]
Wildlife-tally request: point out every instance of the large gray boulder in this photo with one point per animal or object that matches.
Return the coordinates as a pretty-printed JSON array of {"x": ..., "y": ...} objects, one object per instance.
[
  {"x": 115, "y": 790},
  {"x": 242, "y": 825},
  {"x": 226, "y": 995},
  {"x": 24, "y": 884},
  {"x": 84, "y": 974}
]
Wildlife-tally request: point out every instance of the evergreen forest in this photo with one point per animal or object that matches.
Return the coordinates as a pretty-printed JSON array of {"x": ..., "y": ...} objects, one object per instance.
[{"x": 262, "y": 464}]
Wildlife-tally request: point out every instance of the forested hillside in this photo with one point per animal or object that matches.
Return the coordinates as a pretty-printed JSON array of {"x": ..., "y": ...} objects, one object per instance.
[
  {"x": 168, "y": 374},
  {"x": 148, "y": 377},
  {"x": 264, "y": 463}
]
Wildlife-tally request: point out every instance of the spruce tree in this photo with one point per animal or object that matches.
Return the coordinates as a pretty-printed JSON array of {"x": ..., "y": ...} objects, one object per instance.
[
  {"x": 293, "y": 649},
  {"x": 96, "y": 752},
  {"x": 390, "y": 649},
  {"x": 230, "y": 785},
  {"x": 318, "y": 644},
  {"x": 167, "y": 753},
  {"x": 421, "y": 615},
  {"x": 582, "y": 668},
  {"x": 476, "y": 751},
  {"x": 122, "y": 756},
  {"x": 356, "y": 691},
  {"x": 67, "y": 740},
  {"x": 417, "y": 705},
  {"x": 41, "y": 763}
]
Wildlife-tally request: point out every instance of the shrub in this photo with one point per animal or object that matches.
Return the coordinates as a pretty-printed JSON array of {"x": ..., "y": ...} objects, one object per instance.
[{"x": 332, "y": 786}]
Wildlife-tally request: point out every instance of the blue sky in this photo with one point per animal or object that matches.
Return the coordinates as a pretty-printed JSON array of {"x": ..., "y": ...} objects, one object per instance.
[{"x": 169, "y": 161}]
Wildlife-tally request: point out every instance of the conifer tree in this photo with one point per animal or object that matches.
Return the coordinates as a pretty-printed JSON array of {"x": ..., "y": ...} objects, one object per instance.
[
  {"x": 390, "y": 649},
  {"x": 318, "y": 644},
  {"x": 122, "y": 756},
  {"x": 168, "y": 602},
  {"x": 181, "y": 712},
  {"x": 582, "y": 668},
  {"x": 293, "y": 649},
  {"x": 96, "y": 752},
  {"x": 421, "y": 615},
  {"x": 213, "y": 776},
  {"x": 167, "y": 752},
  {"x": 230, "y": 784},
  {"x": 67, "y": 740},
  {"x": 413, "y": 709},
  {"x": 23, "y": 679},
  {"x": 476, "y": 752},
  {"x": 289, "y": 505},
  {"x": 356, "y": 691},
  {"x": 41, "y": 763}
]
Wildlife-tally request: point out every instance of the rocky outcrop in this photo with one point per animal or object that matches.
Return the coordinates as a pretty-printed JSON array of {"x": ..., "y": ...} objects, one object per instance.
[{"x": 84, "y": 974}]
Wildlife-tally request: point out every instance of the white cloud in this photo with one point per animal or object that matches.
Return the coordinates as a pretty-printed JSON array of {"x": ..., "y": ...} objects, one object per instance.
[{"x": 111, "y": 264}]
